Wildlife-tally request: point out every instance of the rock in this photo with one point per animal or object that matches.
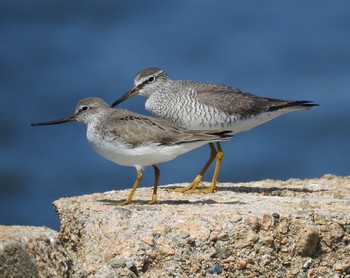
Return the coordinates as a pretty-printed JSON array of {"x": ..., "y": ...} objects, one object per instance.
[
  {"x": 15, "y": 261},
  {"x": 216, "y": 269},
  {"x": 294, "y": 228},
  {"x": 32, "y": 252},
  {"x": 306, "y": 241}
]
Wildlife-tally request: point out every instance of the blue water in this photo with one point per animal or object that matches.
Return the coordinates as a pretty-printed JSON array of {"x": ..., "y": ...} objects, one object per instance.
[{"x": 53, "y": 53}]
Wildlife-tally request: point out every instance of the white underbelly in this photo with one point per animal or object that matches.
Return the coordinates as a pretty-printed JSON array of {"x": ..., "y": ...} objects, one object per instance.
[{"x": 143, "y": 155}]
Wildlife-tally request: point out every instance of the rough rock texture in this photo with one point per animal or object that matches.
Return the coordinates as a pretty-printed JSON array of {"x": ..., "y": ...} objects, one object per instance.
[
  {"x": 30, "y": 252},
  {"x": 293, "y": 228}
]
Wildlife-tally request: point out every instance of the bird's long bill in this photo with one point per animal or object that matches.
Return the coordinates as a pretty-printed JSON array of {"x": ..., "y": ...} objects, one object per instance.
[
  {"x": 134, "y": 91},
  {"x": 59, "y": 121}
]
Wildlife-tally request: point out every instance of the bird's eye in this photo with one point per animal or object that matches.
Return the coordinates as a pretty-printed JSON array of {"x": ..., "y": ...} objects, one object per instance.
[
  {"x": 84, "y": 108},
  {"x": 150, "y": 79}
]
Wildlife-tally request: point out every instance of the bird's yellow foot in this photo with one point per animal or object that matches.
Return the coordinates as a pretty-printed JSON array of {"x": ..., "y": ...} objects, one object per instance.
[
  {"x": 126, "y": 202},
  {"x": 192, "y": 186},
  {"x": 208, "y": 190},
  {"x": 153, "y": 201}
]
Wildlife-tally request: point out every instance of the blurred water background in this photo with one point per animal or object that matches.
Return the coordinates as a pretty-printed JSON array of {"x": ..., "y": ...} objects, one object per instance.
[{"x": 53, "y": 53}]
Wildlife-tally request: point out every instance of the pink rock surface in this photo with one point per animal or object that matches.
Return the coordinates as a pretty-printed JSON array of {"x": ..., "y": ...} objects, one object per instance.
[
  {"x": 293, "y": 228},
  {"x": 284, "y": 228}
]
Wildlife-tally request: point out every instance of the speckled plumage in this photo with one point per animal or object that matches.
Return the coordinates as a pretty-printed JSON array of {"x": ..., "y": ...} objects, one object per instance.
[
  {"x": 204, "y": 105},
  {"x": 207, "y": 106},
  {"x": 131, "y": 139}
]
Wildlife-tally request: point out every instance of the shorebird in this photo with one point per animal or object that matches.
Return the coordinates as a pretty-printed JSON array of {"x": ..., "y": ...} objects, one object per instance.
[
  {"x": 131, "y": 139},
  {"x": 203, "y": 105}
]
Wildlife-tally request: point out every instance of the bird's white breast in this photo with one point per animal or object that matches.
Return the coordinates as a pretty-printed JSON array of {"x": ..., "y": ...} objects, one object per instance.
[{"x": 140, "y": 156}]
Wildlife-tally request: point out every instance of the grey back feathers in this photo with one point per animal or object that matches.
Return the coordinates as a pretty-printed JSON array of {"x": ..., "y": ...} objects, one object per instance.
[{"x": 136, "y": 129}]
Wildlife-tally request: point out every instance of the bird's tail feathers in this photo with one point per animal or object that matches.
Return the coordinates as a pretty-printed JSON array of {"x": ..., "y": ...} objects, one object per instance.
[
  {"x": 220, "y": 135},
  {"x": 294, "y": 105}
]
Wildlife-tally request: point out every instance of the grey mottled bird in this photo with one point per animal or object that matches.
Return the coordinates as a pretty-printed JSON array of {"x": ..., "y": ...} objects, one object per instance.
[
  {"x": 205, "y": 106},
  {"x": 131, "y": 139}
]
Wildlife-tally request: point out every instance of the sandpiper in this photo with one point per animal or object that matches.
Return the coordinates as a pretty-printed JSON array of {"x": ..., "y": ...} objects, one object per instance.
[
  {"x": 131, "y": 139},
  {"x": 202, "y": 105}
]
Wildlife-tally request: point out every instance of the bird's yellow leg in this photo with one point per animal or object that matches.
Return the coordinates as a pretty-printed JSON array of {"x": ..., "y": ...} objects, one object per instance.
[
  {"x": 213, "y": 187},
  {"x": 198, "y": 180},
  {"x": 154, "y": 199},
  {"x": 136, "y": 185}
]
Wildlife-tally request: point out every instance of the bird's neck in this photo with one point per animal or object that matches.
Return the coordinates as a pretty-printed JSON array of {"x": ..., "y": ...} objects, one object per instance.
[{"x": 158, "y": 100}]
